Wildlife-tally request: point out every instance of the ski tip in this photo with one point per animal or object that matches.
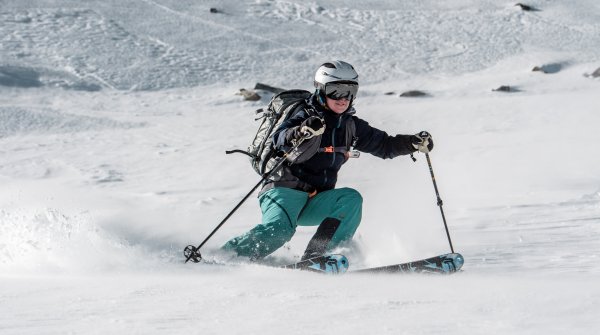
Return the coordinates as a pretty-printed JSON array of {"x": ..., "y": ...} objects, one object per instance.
[
  {"x": 458, "y": 260},
  {"x": 442, "y": 264}
]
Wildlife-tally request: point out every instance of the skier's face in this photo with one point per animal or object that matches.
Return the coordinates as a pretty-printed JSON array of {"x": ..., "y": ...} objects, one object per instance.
[{"x": 338, "y": 106}]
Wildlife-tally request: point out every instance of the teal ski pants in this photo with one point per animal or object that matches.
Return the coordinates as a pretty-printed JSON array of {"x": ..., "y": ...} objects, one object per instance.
[{"x": 283, "y": 209}]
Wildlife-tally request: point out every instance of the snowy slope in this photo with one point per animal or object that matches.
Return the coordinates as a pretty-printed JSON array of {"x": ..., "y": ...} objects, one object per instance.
[{"x": 114, "y": 119}]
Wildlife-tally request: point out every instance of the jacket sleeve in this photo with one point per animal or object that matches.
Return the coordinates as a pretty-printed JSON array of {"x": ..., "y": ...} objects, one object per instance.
[
  {"x": 379, "y": 143},
  {"x": 290, "y": 124},
  {"x": 303, "y": 151}
]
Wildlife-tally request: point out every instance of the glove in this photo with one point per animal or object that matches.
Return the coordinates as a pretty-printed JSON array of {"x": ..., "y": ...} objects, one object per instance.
[
  {"x": 309, "y": 128},
  {"x": 422, "y": 142}
]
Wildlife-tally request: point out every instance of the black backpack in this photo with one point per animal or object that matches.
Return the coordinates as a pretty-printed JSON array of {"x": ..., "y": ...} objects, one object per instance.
[{"x": 280, "y": 108}]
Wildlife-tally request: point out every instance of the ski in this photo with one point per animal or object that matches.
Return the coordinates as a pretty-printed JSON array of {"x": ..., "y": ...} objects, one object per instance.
[
  {"x": 442, "y": 264},
  {"x": 329, "y": 264}
]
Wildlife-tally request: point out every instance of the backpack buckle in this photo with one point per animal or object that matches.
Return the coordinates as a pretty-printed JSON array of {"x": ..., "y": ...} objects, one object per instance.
[
  {"x": 353, "y": 154},
  {"x": 329, "y": 149}
]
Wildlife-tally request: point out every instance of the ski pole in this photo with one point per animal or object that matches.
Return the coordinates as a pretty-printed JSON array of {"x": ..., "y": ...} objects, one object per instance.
[
  {"x": 191, "y": 252},
  {"x": 439, "y": 200}
]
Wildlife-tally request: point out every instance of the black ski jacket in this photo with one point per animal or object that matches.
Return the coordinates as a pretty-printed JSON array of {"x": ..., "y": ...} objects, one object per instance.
[{"x": 318, "y": 171}]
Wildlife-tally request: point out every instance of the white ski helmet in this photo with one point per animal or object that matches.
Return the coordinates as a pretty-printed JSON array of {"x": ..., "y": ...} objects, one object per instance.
[{"x": 335, "y": 71}]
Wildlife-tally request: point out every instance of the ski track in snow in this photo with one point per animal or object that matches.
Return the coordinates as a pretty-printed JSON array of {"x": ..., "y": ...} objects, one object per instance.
[
  {"x": 16, "y": 120},
  {"x": 114, "y": 117},
  {"x": 458, "y": 41},
  {"x": 553, "y": 239},
  {"x": 75, "y": 41}
]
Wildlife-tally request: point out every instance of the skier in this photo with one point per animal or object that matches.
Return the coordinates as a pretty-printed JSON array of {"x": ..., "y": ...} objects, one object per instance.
[{"x": 304, "y": 192}]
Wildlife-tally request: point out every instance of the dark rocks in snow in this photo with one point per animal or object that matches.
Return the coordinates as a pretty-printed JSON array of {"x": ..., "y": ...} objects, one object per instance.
[
  {"x": 248, "y": 95},
  {"x": 548, "y": 68},
  {"x": 276, "y": 90},
  {"x": 595, "y": 74},
  {"x": 389, "y": 93},
  {"x": 26, "y": 77},
  {"x": 110, "y": 176},
  {"x": 413, "y": 94},
  {"x": 214, "y": 10},
  {"x": 506, "y": 88},
  {"x": 16, "y": 76},
  {"x": 527, "y": 8}
]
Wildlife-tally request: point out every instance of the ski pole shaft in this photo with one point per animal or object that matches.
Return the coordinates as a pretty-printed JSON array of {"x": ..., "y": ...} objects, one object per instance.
[
  {"x": 264, "y": 178},
  {"x": 439, "y": 201},
  {"x": 230, "y": 214}
]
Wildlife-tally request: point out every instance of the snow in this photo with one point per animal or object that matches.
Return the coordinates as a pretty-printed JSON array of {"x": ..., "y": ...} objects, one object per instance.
[{"x": 114, "y": 119}]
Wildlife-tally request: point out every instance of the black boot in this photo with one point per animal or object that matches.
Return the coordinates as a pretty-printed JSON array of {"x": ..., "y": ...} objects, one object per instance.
[{"x": 318, "y": 243}]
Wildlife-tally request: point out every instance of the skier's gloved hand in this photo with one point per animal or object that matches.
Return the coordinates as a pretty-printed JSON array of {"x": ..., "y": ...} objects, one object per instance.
[
  {"x": 422, "y": 142},
  {"x": 311, "y": 127}
]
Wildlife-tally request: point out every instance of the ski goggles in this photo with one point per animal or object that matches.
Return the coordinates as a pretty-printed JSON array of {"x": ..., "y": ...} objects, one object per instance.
[{"x": 341, "y": 90}]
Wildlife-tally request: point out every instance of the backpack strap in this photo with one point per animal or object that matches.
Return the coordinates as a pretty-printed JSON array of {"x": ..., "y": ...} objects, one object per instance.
[
  {"x": 350, "y": 138},
  {"x": 350, "y": 133},
  {"x": 331, "y": 149}
]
